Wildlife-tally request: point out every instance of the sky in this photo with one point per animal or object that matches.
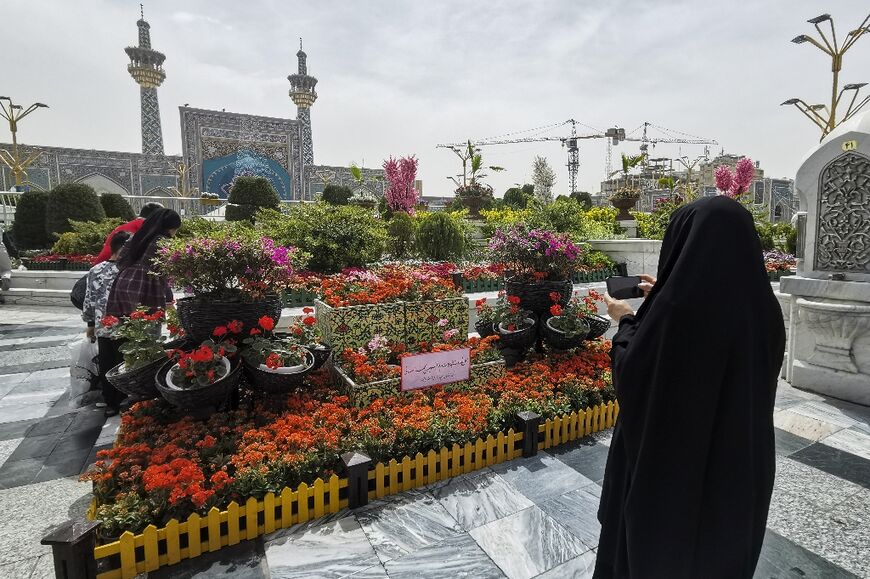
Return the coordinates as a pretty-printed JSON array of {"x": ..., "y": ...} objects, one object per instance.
[{"x": 399, "y": 77}]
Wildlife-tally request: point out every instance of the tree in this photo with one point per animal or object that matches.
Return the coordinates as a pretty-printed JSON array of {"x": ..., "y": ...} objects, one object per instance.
[
  {"x": 76, "y": 201},
  {"x": 584, "y": 198},
  {"x": 518, "y": 197},
  {"x": 544, "y": 178},
  {"x": 249, "y": 195},
  {"x": 401, "y": 175},
  {"x": 336, "y": 194}
]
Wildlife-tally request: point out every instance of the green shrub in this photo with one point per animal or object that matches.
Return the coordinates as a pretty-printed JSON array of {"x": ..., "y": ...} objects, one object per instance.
[
  {"x": 336, "y": 236},
  {"x": 336, "y": 194},
  {"x": 115, "y": 205},
  {"x": 201, "y": 227},
  {"x": 249, "y": 195},
  {"x": 28, "y": 229},
  {"x": 597, "y": 259},
  {"x": 400, "y": 235},
  {"x": 86, "y": 237},
  {"x": 584, "y": 198},
  {"x": 791, "y": 241},
  {"x": 440, "y": 237},
  {"x": 518, "y": 198},
  {"x": 71, "y": 201}
]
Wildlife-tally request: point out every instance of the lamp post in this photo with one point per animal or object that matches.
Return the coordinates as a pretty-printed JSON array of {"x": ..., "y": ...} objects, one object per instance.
[
  {"x": 14, "y": 113},
  {"x": 833, "y": 48}
]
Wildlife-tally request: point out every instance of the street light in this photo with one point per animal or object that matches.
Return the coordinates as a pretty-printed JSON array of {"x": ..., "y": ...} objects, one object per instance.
[
  {"x": 830, "y": 46},
  {"x": 13, "y": 113}
]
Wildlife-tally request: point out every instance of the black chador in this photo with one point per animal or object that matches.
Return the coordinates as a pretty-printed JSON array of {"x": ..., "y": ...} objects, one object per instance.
[{"x": 691, "y": 464}]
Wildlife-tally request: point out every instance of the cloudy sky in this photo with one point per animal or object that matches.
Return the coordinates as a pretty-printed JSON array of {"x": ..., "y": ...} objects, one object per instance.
[{"x": 398, "y": 77}]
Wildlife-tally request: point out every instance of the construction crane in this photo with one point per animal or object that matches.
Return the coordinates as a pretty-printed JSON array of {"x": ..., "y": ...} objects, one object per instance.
[
  {"x": 671, "y": 136},
  {"x": 614, "y": 136}
]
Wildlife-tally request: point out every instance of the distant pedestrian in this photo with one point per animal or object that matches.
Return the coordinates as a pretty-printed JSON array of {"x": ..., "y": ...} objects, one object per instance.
[
  {"x": 691, "y": 464},
  {"x": 131, "y": 227},
  {"x": 99, "y": 282},
  {"x": 137, "y": 283}
]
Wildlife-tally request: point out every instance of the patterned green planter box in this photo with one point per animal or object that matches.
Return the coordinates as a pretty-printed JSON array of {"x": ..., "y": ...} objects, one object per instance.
[
  {"x": 362, "y": 394},
  {"x": 421, "y": 319},
  {"x": 298, "y": 299},
  {"x": 471, "y": 286},
  {"x": 354, "y": 326}
]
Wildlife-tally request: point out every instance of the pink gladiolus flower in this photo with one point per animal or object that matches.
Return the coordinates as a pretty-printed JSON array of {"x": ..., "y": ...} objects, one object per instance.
[
  {"x": 743, "y": 175},
  {"x": 723, "y": 178}
]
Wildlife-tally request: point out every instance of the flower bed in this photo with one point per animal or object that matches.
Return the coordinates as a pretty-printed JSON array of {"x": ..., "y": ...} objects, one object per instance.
[
  {"x": 58, "y": 262},
  {"x": 779, "y": 264},
  {"x": 168, "y": 465}
]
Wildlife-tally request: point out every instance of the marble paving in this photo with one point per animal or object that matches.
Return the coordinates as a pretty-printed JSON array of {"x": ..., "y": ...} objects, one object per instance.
[{"x": 533, "y": 517}]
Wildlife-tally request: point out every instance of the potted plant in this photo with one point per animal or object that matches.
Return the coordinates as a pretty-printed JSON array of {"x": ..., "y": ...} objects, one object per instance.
[
  {"x": 274, "y": 363},
  {"x": 485, "y": 318},
  {"x": 231, "y": 275},
  {"x": 568, "y": 326},
  {"x": 543, "y": 262},
  {"x": 473, "y": 194},
  {"x": 204, "y": 376},
  {"x": 207, "y": 198},
  {"x": 627, "y": 195},
  {"x": 514, "y": 326},
  {"x": 143, "y": 349},
  {"x": 307, "y": 332}
]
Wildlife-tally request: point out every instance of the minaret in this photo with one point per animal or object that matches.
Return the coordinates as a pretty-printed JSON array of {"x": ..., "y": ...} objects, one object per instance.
[
  {"x": 303, "y": 95},
  {"x": 146, "y": 68}
]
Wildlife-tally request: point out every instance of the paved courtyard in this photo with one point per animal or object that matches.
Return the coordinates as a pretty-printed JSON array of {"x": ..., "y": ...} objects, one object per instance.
[{"x": 532, "y": 517}]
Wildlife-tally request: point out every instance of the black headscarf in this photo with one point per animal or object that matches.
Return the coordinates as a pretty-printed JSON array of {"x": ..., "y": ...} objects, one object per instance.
[
  {"x": 691, "y": 462},
  {"x": 156, "y": 225}
]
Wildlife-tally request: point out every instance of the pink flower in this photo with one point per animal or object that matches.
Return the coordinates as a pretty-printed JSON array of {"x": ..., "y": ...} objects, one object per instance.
[
  {"x": 442, "y": 322},
  {"x": 450, "y": 333},
  {"x": 723, "y": 178},
  {"x": 401, "y": 175},
  {"x": 743, "y": 175}
]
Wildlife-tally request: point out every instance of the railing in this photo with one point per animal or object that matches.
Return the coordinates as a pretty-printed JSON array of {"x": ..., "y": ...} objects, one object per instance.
[{"x": 212, "y": 209}]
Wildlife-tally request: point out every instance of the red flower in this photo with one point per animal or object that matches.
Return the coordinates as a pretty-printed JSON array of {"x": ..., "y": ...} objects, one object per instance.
[
  {"x": 109, "y": 321},
  {"x": 235, "y": 327},
  {"x": 556, "y": 310},
  {"x": 220, "y": 331},
  {"x": 555, "y": 296},
  {"x": 511, "y": 327},
  {"x": 255, "y": 331},
  {"x": 273, "y": 361},
  {"x": 307, "y": 310},
  {"x": 309, "y": 320},
  {"x": 267, "y": 323},
  {"x": 514, "y": 300}
]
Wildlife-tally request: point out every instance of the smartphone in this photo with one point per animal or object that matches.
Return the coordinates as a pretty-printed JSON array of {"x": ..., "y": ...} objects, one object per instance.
[{"x": 624, "y": 287}]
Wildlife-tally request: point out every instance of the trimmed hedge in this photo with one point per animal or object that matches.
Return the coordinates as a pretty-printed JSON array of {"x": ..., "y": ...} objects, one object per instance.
[
  {"x": 400, "y": 235},
  {"x": 440, "y": 237},
  {"x": 115, "y": 205},
  {"x": 249, "y": 195},
  {"x": 28, "y": 229},
  {"x": 75, "y": 201},
  {"x": 336, "y": 194}
]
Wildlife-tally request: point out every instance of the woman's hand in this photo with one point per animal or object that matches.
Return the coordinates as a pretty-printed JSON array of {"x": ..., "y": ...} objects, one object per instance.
[
  {"x": 647, "y": 284},
  {"x": 616, "y": 309},
  {"x": 90, "y": 335}
]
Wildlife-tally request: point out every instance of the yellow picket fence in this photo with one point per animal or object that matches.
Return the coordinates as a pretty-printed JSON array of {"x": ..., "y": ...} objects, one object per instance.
[{"x": 177, "y": 541}]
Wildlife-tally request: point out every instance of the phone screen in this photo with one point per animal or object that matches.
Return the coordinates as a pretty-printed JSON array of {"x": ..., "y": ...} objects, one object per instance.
[{"x": 624, "y": 287}]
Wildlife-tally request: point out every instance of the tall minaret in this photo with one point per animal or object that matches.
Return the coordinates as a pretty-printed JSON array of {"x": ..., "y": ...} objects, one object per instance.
[
  {"x": 303, "y": 95},
  {"x": 146, "y": 68}
]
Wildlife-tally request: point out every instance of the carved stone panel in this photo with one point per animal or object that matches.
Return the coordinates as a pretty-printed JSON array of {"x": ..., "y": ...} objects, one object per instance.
[{"x": 843, "y": 225}]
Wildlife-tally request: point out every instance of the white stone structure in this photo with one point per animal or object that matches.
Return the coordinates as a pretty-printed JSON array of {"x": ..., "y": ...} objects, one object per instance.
[
  {"x": 829, "y": 322},
  {"x": 638, "y": 255}
]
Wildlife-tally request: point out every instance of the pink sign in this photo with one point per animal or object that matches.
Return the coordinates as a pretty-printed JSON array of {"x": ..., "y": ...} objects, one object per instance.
[{"x": 424, "y": 370}]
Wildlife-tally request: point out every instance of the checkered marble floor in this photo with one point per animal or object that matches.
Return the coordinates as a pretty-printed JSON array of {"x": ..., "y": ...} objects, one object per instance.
[{"x": 532, "y": 517}]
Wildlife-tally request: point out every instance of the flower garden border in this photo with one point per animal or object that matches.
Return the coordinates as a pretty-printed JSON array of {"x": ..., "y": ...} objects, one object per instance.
[{"x": 73, "y": 543}]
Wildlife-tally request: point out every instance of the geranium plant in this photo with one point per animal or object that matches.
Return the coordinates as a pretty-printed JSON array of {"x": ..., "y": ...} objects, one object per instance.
[
  {"x": 264, "y": 347},
  {"x": 401, "y": 174},
  {"x": 304, "y": 330},
  {"x": 572, "y": 318},
  {"x": 205, "y": 364},
  {"x": 508, "y": 315},
  {"x": 377, "y": 360},
  {"x": 228, "y": 266},
  {"x": 143, "y": 343},
  {"x": 535, "y": 254},
  {"x": 485, "y": 312},
  {"x": 390, "y": 283}
]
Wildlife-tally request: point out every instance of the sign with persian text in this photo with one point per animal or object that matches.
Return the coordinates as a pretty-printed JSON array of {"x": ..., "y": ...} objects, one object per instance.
[{"x": 424, "y": 370}]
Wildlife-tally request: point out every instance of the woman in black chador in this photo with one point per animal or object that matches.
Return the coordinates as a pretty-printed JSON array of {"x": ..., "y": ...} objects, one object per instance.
[{"x": 691, "y": 463}]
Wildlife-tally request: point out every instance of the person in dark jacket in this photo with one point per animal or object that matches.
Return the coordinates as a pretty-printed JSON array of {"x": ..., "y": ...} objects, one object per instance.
[
  {"x": 691, "y": 465},
  {"x": 137, "y": 284},
  {"x": 130, "y": 227}
]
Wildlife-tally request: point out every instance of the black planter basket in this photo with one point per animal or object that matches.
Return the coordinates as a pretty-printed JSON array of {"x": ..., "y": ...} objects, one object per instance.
[
  {"x": 559, "y": 340},
  {"x": 321, "y": 355},
  {"x": 535, "y": 295},
  {"x": 520, "y": 340},
  {"x": 138, "y": 383},
  {"x": 484, "y": 328},
  {"x": 214, "y": 395},
  {"x": 200, "y": 317},
  {"x": 273, "y": 382},
  {"x": 598, "y": 326}
]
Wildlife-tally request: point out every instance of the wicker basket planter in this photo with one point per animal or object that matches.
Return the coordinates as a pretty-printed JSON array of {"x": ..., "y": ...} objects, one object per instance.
[
  {"x": 519, "y": 339},
  {"x": 365, "y": 393},
  {"x": 138, "y": 383},
  {"x": 200, "y": 317},
  {"x": 214, "y": 395},
  {"x": 535, "y": 296},
  {"x": 273, "y": 382},
  {"x": 559, "y": 340},
  {"x": 484, "y": 328},
  {"x": 598, "y": 326},
  {"x": 321, "y": 354}
]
